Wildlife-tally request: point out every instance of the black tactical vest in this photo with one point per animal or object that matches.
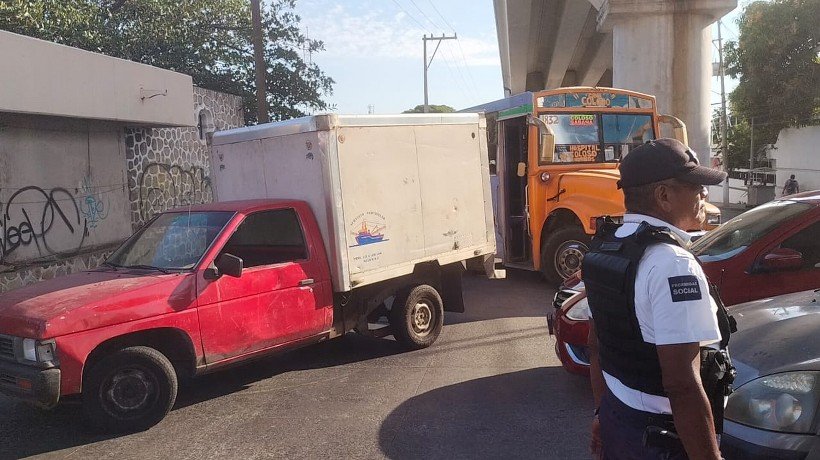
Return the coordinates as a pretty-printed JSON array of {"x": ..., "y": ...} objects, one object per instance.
[{"x": 609, "y": 270}]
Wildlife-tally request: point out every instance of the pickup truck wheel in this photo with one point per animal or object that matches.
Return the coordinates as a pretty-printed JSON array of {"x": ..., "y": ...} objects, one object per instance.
[
  {"x": 130, "y": 390},
  {"x": 417, "y": 317},
  {"x": 562, "y": 253}
]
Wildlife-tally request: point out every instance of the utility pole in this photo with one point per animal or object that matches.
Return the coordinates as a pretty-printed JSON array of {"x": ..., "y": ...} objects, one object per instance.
[
  {"x": 425, "y": 39},
  {"x": 751, "y": 149},
  {"x": 259, "y": 64},
  {"x": 724, "y": 143}
]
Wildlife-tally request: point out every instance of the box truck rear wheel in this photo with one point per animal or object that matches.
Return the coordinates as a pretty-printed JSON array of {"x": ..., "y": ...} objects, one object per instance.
[
  {"x": 562, "y": 253},
  {"x": 417, "y": 317},
  {"x": 129, "y": 390}
]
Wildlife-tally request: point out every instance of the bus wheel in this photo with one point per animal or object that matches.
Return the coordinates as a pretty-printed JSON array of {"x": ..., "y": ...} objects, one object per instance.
[{"x": 562, "y": 253}]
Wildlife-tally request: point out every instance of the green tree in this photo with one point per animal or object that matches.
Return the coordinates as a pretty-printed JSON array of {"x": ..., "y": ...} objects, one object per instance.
[
  {"x": 433, "y": 109},
  {"x": 207, "y": 39},
  {"x": 777, "y": 62}
]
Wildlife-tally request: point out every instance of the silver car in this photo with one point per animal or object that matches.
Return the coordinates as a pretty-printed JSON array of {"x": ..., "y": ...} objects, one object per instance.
[{"x": 773, "y": 412}]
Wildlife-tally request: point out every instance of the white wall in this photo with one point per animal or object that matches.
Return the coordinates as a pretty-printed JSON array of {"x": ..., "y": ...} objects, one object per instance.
[
  {"x": 45, "y": 78},
  {"x": 798, "y": 152},
  {"x": 62, "y": 188}
]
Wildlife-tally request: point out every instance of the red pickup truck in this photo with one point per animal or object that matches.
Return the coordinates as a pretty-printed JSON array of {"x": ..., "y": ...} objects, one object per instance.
[{"x": 194, "y": 290}]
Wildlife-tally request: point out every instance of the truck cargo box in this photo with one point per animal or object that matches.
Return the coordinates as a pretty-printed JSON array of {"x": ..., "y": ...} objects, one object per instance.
[{"x": 389, "y": 192}]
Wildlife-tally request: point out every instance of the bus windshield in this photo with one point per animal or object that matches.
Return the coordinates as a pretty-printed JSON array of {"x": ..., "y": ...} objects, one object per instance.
[{"x": 597, "y": 138}]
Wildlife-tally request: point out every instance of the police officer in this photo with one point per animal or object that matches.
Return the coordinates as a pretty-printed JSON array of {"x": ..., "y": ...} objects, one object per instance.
[{"x": 658, "y": 373}]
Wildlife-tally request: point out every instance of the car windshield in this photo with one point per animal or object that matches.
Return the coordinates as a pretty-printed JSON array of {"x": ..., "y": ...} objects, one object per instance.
[
  {"x": 172, "y": 241},
  {"x": 736, "y": 235}
]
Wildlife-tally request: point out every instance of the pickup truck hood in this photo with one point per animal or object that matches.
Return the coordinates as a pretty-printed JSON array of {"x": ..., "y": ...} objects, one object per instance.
[
  {"x": 775, "y": 335},
  {"x": 92, "y": 299}
]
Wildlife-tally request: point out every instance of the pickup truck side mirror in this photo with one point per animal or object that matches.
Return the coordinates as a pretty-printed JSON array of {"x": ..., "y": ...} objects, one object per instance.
[
  {"x": 225, "y": 264},
  {"x": 781, "y": 259}
]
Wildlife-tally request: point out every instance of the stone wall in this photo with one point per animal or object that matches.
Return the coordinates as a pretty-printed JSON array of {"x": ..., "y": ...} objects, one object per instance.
[
  {"x": 170, "y": 167},
  {"x": 47, "y": 270}
]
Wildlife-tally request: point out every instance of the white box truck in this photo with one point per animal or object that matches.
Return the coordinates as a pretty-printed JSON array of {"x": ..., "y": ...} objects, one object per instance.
[{"x": 402, "y": 203}]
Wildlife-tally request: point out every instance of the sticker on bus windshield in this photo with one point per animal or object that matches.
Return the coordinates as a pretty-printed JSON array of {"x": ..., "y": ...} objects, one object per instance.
[
  {"x": 582, "y": 120},
  {"x": 584, "y": 152}
]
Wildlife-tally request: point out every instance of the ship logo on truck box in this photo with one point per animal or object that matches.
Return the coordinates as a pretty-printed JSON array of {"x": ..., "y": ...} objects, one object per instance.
[{"x": 370, "y": 229}]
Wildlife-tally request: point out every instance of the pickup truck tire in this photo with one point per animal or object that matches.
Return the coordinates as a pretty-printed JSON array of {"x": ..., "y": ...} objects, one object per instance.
[
  {"x": 562, "y": 253},
  {"x": 129, "y": 390},
  {"x": 417, "y": 317}
]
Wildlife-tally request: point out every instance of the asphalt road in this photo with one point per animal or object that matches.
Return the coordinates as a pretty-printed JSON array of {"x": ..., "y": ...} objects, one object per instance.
[{"x": 490, "y": 387}]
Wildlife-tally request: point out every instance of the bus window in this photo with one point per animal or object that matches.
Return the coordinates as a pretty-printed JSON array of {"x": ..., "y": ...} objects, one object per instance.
[
  {"x": 623, "y": 132},
  {"x": 576, "y": 137}
]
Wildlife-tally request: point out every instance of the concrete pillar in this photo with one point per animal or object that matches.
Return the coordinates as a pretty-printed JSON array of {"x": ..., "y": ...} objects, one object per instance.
[{"x": 663, "y": 48}]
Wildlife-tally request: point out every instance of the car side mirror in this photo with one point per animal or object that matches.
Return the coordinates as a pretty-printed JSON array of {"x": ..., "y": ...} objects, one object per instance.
[
  {"x": 782, "y": 259},
  {"x": 225, "y": 264},
  {"x": 522, "y": 169}
]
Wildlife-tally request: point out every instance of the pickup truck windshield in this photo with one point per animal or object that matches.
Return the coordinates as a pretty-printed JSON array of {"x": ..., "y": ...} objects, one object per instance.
[
  {"x": 172, "y": 241},
  {"x": 735, "y": 236}
]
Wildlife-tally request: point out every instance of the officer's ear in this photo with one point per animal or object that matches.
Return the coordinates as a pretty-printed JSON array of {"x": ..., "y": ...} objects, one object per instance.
[{"x": 663, "y": 197}]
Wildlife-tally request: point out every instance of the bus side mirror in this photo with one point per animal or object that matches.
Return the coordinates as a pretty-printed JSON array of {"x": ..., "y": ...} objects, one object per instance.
[
  {"x": 522, "y": 169},
  {"x": 546, "y": 149},
  {"x": 678, "y": 127}
]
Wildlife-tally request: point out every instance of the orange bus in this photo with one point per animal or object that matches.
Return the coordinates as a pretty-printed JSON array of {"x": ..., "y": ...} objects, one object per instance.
[{"x": 554, "y": 166}]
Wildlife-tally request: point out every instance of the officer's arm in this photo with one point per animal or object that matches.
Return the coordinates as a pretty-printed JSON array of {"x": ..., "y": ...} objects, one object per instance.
[
  {"x": 680, "y": 366},
  {"x": 596, "y": 377}
]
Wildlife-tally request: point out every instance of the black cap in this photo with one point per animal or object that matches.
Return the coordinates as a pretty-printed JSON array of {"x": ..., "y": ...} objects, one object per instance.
[{"x": 663, "y": 159}]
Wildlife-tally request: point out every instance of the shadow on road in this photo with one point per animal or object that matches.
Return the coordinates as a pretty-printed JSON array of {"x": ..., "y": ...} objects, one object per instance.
[
  {"x": 526, "y": 294},
  {"x": 534, "y": 413},
  {"x": 64, "y": 427}
]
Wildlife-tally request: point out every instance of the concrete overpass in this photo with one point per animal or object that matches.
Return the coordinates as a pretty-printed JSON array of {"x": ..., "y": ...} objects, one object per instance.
[{"x": 659, "y": 47}]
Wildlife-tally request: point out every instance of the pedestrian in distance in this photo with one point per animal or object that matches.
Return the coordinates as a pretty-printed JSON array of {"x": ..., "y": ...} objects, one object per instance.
[
  {"x": 791, "y": 186},
  {"x": 660, "y": 367}
]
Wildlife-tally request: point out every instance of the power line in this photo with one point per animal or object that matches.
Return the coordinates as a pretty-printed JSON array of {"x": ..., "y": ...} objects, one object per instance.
[
  {"x": 441, "y": 16},
  {"x": 461, "y": 49},
  {"x": 472, "y": 88},
  {"x": 410, "y": 15},
  {"x": 425, "y": 15}
]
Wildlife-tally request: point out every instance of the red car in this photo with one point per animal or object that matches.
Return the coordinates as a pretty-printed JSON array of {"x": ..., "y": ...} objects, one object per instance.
[{"x": 770, "y": 250}]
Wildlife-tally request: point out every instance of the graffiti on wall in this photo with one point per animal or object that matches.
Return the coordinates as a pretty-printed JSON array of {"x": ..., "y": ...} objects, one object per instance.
[
  {"x": 164, "y": 186},
  {"x": 41, "y": 218},
  {"x": 93, "y": 204}
]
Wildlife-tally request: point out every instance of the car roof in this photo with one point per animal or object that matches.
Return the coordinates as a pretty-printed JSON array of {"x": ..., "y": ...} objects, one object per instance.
[
  {"x": 810, "y": 197},
  {"x": 243, "y": 206}
]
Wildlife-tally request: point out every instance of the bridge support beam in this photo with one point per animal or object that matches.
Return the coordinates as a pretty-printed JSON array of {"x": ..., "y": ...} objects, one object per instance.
[{"x": 663, "y": 47}]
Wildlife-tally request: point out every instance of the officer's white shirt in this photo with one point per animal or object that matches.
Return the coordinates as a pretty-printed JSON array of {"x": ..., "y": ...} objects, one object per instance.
[{"x": 672, "y": 303}]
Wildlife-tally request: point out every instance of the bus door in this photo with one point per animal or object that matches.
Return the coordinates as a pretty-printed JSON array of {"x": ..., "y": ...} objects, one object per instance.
[{"x": 514, "y": 190}]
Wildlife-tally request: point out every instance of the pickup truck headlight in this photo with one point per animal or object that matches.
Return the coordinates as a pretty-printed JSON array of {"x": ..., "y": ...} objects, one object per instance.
[
  {"x": 784, "y": 402},
  {"x": 579, "y": 311},
  {"x": 713, "y": 219},
  {"x": 38, "y": 351}
]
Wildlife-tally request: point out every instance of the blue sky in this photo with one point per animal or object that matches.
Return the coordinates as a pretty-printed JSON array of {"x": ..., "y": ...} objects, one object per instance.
[{"x": 373, "y": 50}]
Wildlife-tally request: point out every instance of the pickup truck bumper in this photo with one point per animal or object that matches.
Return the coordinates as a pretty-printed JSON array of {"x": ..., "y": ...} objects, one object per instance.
[{"x": 34, "y": 385}]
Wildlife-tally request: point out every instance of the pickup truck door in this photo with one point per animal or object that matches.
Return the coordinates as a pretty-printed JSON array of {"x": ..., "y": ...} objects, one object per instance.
[{"x": 279, "y": 298}]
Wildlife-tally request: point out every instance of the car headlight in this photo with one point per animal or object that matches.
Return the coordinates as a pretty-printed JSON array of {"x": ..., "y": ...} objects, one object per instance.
[
  {"x": 713, "y": 219},
  {"x": 38, "y": 351},
  {"x": 579, "y": 311},
  {"x": 784, "y": 402}
]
